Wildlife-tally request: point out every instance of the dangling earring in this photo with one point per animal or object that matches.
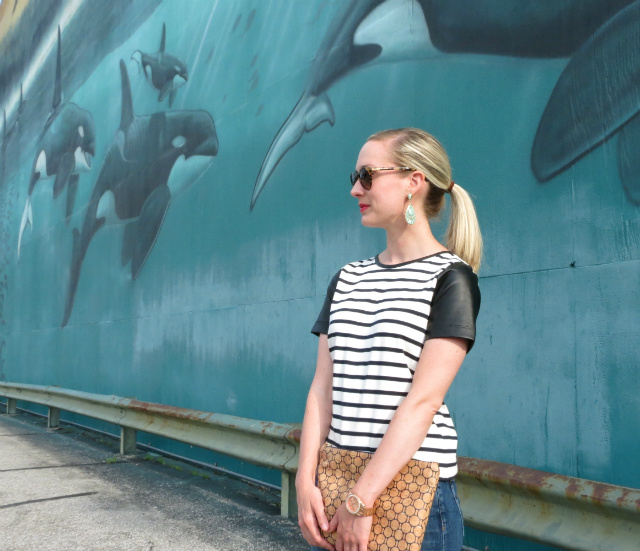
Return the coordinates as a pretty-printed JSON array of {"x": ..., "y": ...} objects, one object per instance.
[{"x": 410, "y": 214}]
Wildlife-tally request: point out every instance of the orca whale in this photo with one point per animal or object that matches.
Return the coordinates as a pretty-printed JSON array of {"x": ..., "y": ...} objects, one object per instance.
[
  {"x": 165, "y": 72},
  {"x": 65, "y": 147},
  {"x": 365, "y": 32},
  {"x": 152, "y": 157}
]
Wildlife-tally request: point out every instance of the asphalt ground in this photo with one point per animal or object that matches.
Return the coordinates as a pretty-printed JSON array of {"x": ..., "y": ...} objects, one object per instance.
[{"x": 68, "y": 489}]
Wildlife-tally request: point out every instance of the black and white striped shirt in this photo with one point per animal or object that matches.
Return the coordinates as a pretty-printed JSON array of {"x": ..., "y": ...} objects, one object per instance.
[{"x": 377, "y": 318}]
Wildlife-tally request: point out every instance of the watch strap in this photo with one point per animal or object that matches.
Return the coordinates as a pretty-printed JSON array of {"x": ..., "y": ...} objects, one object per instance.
[{"x": 362, "y": 511}]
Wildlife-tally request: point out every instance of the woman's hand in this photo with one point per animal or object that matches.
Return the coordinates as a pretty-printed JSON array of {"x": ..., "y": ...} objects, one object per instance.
[
  {"x": 352, "y": 532},
  {"x": 311, "y": 516}
]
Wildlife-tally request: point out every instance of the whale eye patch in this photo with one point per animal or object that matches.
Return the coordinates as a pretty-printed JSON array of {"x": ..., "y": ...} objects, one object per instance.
[{"x": 365, "y": 174}]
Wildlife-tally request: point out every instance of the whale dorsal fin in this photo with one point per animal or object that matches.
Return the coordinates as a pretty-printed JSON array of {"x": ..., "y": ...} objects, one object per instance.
[
  {"x": 127, "y": 102},
  {"x": 57, "y": 91},
  {"x": 162, "y": 40}
]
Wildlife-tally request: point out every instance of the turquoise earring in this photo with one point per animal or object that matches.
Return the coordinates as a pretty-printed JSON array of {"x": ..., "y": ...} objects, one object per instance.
[{"x": 410, "y": 214}]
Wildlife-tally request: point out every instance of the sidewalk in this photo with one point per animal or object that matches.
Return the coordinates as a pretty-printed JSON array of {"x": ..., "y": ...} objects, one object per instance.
[{"x": 64, "y": 490}]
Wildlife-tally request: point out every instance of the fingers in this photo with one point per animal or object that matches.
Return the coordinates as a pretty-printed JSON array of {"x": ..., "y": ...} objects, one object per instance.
[
  {"x": 311, "y": 532},
  {"x": 352, "y": 533},
  {"x": 333, "y": 525},
  {"x": 321, "y": 517},
  {"x": 311, "y": 517}
]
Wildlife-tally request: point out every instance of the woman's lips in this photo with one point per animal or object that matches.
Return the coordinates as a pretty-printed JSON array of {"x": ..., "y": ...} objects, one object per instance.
[{"x": 363, "y": 207}]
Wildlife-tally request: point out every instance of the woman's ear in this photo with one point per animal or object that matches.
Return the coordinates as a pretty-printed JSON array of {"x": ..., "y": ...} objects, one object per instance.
[{"x": 417, "y": 183}]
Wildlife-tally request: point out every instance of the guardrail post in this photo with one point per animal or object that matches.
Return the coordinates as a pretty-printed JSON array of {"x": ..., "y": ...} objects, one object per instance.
[
  {"x": 53, "y": 419},
  {"x": 12, "y": 406},
  {"x": 128, "y": 437},
  {"x": 288, "y": 501}
]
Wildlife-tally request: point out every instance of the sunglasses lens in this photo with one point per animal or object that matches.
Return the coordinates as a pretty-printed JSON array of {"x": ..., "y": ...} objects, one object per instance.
[{"x": 364, "y": 176}]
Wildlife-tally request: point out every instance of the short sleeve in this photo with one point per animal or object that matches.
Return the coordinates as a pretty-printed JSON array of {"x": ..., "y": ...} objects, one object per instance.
[
  {"x": 321, "y": 326},
  {"x": 455, "y": 305}
]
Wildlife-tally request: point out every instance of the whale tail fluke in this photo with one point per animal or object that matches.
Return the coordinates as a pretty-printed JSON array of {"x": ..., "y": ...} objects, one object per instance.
[
  {"x": 309, "y": 113},
  {"x": 27, "y": 219}
]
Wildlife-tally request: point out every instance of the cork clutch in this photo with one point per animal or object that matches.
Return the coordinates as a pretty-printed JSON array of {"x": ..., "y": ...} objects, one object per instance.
[{"x": 401, "y": 511}]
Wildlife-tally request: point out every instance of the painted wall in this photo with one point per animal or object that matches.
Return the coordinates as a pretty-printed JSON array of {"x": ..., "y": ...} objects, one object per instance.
[{"x": 174, "y": 203}]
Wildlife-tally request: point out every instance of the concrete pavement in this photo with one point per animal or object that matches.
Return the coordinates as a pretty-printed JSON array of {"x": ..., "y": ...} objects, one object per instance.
[{"x": 66, "y": 490}]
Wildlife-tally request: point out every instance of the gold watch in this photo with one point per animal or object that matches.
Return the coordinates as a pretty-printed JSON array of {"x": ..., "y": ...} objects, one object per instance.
[{"x": 356, "y": 507}]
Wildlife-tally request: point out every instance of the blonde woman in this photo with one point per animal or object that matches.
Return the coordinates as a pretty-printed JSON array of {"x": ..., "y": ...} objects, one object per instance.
[{"x": 393, "y": 333}]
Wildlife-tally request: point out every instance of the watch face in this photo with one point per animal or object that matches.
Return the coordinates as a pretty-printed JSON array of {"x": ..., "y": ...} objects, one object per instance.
[{"x": 353, "y": 504}]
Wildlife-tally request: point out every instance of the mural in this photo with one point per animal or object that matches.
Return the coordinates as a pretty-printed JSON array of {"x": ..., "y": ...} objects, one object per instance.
[
  {"x": 65, "y": 147},
  {"x": 579, "y": 118},
  {"x": 140, "y": 171},
  {"x": 9, "y": 130},
  {"x": 161, "y": 277},
  {"x": 164, "y": 72},
  {"x": 571, "y": 125}
]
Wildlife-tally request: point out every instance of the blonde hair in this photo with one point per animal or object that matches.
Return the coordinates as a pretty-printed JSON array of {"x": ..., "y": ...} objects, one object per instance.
[{"x": 421, "y": 151}]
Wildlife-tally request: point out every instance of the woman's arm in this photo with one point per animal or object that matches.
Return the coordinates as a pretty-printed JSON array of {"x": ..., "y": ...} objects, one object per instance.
[
  {"x": 439, "y": 363},
  {"x": 315, "y": 428}
]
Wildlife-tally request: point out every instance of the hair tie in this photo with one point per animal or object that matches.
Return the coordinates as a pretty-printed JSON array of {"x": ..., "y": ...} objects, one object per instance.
[{"x": 451, "y": 186}]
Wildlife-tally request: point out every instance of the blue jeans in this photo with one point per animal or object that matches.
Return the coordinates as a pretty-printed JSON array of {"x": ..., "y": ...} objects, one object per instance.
[{"x": 445, "y": 528}]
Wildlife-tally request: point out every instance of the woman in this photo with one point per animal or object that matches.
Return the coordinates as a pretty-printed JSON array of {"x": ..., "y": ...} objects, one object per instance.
[{"x": 393, "y": 333}]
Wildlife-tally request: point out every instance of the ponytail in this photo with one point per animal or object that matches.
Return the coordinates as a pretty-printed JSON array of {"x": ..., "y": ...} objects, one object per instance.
[{"x": 463, "y": 235}]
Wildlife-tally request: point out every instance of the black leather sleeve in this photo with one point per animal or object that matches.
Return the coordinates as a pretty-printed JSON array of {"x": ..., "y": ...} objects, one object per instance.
[
  {"x": 322, "y": 323},
  {"x": 455, "y": 305}
]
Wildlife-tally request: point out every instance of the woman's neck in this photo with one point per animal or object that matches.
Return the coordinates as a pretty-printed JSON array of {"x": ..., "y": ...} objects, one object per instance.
[{"x": 410, "y": 243}]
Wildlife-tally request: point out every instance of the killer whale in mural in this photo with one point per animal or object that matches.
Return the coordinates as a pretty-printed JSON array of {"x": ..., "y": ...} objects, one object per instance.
[
  {"x": 152, "y": 157},
  {"x": 366, "y": 32},
  {"x": 165, "y": 72},
  {"x": 65, "y": 147}
]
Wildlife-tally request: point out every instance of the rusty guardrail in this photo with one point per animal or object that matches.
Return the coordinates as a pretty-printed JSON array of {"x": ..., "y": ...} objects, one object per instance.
[
  {"x": 566, "y": 512},
  {"x": 263, "y": 443}
]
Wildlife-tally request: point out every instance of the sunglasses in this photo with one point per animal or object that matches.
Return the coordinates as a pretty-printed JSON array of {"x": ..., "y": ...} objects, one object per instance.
[{"x": 365, "y": 174}]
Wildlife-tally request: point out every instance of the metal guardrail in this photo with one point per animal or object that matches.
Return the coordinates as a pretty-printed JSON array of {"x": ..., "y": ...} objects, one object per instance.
[
  {"x": 562, "y": 511},
  {"x": 263, "y": 443},
  {"x": 565, "y": 512}
]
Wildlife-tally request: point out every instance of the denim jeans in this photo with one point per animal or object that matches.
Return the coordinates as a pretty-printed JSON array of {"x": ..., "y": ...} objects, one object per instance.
[{"x": 444, "y": 529}]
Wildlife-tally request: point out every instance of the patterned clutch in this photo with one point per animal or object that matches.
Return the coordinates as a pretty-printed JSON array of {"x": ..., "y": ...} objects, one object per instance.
[{"x": 402, "y": 510}]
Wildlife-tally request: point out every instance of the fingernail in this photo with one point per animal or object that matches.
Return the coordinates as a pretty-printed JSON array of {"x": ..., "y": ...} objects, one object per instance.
[{"x": 325, "y": 527}]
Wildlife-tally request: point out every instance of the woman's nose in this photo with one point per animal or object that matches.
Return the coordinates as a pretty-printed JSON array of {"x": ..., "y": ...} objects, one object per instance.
[{"x": 357, "y": 190}]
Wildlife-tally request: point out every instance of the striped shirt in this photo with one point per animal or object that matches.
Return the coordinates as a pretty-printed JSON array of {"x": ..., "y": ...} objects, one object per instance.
[{"x": 379, "y": 317}]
